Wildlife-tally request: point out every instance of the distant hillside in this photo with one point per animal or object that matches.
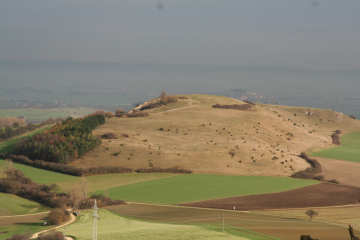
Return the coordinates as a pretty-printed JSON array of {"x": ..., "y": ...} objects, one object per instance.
[{"x": 191, "y": 134}]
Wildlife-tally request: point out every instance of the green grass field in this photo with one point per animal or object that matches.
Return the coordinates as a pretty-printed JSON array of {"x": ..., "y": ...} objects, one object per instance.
[
  {"x": 22, "y": 228},
  {"x": 8, "y": 146},
  {"x": 14, "y": 205},
  {"x": 112, "y": 226},
  {"x": 197, "y": 187},
  {"x": 38, "y": 175},
  {"x": 32, "y": 115},
  {"x": 349, "y": 150}
]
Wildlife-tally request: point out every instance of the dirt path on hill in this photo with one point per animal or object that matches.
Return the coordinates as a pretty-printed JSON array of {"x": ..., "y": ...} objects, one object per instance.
[
  {"x": 72, "y": 219},
  {"x": 346, "y": 172}
]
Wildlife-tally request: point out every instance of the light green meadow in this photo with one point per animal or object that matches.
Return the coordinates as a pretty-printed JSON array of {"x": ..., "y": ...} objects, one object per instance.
[{"x": 111, "y": 226}]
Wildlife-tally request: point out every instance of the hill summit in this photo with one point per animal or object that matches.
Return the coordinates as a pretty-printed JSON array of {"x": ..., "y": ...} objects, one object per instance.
[{"x": 194, "y": 134}]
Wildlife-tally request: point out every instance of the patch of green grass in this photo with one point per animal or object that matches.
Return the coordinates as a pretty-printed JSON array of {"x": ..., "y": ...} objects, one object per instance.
[
  {"x": 198, "y": 187},
  {"x": 101, "y": 182},
  {"x": 341, "y": 153},
  {"x": 22, "y": 228},
  {"x": 112, "y": 226},
  {"x": 349, "y": 151},
  {"x": 351, "y": 140},
  {"x": 14, "y": 205},
  {"x": 38, "y": 175},
  {"x": 8, "y": 146}
]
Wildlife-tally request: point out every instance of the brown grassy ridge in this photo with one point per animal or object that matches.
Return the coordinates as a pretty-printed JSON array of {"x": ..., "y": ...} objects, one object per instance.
[{"x": 198, "y": 137}]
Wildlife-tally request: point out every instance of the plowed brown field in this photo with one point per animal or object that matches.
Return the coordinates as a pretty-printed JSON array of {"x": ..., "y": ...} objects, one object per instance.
[{"x": 320, "y": 195}]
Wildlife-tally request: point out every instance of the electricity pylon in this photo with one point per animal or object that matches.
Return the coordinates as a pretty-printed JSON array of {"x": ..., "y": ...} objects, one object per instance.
[{"x": 95, "y": 217}]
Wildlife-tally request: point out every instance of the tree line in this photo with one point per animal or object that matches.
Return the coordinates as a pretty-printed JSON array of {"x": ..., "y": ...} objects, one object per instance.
[
  {"x": 19, "y": 128},
  {"x": 91, "y": 171},
  {"x": 63, "y": 142}
]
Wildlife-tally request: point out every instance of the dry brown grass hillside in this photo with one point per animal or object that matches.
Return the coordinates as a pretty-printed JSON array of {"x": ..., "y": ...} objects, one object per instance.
[{"x": 198, "y": 137}]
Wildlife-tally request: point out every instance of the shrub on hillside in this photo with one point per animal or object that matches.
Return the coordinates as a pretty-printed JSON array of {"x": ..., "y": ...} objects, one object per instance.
[
  {"x": 119, "y": 112},
  {"x": 234, "y": 106},
  {"x": 336, "y": 138},
  {"x": 20, "y": 237},
  {"x": 109, "y": 115},
  {"x": 353, "y": 117},
  {"x": 310, "y": 172},
  {"x": 163, "y": 100},
  {"x": 57, "y": 216},
  {"x": 249, "y": 102},
  {"x": 137, "y": 114},
  {"x": 163, "y": 170},
  {"x": 109, "y": 136},
  {"x": 52, "y": 236}
]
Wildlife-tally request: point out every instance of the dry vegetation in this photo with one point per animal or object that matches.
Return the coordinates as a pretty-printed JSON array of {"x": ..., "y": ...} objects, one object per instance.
[{"x": 191, "y": 134}]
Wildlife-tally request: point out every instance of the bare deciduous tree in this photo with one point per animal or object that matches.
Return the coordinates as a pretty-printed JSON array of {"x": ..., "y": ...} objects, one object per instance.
[
  {"x": 75, "y": 196},
  {"x": 311, "y": 213}
]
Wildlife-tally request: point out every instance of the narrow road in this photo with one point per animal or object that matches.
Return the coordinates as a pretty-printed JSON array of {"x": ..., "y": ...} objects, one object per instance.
[{"x": 72, "y": 219}]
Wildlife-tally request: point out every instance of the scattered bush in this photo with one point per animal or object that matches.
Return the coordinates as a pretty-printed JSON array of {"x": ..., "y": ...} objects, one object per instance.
[
  {"x": 232, "y": 153},
  {"x": 234, "y": 106},
  {"x": 109, "y": 136}
]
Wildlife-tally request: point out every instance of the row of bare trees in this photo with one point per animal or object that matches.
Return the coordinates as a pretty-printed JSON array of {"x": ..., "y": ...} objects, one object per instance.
[
  {"x": 10, "y": 121},
  {"x": 15, "y": 182}
]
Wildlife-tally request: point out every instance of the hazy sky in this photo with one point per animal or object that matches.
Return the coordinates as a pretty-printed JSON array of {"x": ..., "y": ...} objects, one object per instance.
[{"x": 306, "y": 34}]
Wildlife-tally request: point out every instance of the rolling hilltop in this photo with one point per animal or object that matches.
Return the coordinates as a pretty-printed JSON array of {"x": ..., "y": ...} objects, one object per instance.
[{"x": 190, "y": 133}]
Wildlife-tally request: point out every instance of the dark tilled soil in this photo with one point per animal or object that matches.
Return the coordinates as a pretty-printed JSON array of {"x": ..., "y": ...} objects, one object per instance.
[{"x": 320, "y": 195}]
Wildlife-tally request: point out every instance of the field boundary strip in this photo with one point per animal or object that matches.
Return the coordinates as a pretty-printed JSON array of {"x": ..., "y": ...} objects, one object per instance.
[{"x": 23, "y": 215}]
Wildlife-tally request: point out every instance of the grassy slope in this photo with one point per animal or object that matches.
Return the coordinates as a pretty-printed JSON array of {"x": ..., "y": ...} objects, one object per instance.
[
  {"x": 195, "y": 138},
  {"x": 21, "y": 229},
  {"x": 14, "y": 205},
  {"x": 8, "y": 146},
  {"x": 349, "y": 151},
  {"x": 112, "y": 226},
  {"x": 197, "y": 187},
  {"x": 39, "y": 175}
]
